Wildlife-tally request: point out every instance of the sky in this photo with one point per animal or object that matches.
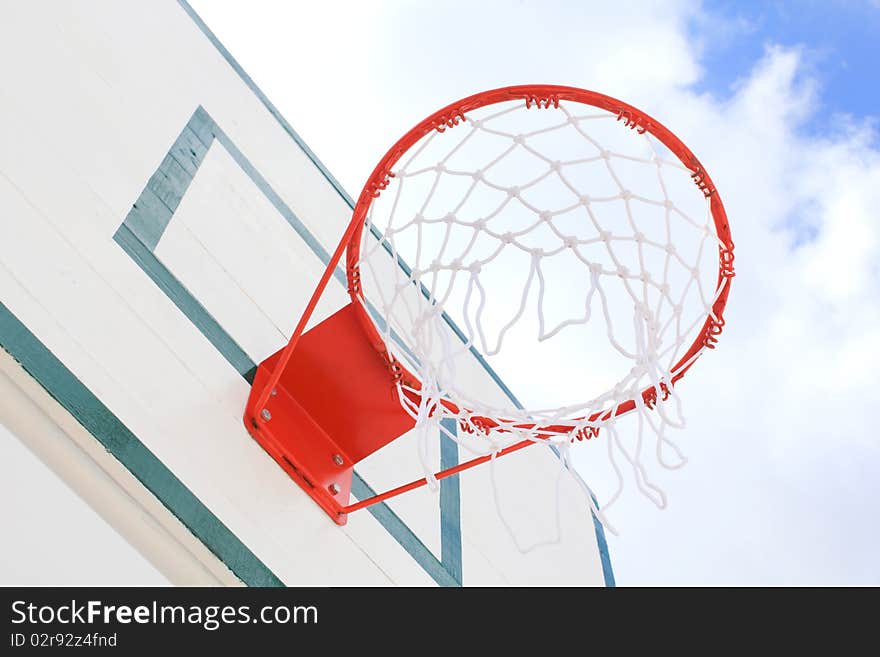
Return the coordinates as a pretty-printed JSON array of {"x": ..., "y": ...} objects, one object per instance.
[
  {"x": 780, "y": 101},
  {"x": 837, "y": 41}
]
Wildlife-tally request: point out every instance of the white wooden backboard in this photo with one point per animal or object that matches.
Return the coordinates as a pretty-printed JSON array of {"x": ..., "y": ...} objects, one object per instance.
[{"x": 162, "y": 229}]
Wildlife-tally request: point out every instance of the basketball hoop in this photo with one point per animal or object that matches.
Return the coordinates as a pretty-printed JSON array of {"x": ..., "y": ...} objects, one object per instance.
[{"x": 500, "y": 185}]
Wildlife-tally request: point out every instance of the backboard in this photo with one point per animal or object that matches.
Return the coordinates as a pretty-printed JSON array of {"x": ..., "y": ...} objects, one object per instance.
[{"x": 165, "y": 227}]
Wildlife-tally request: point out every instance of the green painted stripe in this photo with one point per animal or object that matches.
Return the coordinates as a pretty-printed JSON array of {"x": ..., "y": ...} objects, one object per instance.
[
  {"x": 189, "y": 150},
  {"x": 148, "y": 218},
  {"x": 117, "y": 439},
  {"x": 604, "y": 555},
  {"x": 450, "y": 503},
  {"x": 601, "y": 542},
  {"x": 438, "y": 571},
  {"x": 181, "y": 297},
  {"x": 275, "y": 199}
]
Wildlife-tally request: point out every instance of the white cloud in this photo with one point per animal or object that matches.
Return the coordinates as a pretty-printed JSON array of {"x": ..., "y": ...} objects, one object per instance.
[{"x": 783, "y": 410}]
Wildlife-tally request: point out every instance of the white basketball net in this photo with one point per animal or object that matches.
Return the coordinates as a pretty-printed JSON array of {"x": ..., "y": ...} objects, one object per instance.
[{"x": 562, "y": 242}]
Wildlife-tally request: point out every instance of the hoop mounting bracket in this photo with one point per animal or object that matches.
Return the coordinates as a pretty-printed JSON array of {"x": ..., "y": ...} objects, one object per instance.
[{"x": 334, "y": 374}]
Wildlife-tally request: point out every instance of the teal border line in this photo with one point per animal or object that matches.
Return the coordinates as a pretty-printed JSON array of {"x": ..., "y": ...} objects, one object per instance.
[
  {"x": 441, "y": 572},
  {"x": 126, "y": 448},
  {"x": 602, "y": 544},
  {"x": 600, "y": 532},
  {"x": 140, "y": 234},
  {"x": 450, "y": 502}
]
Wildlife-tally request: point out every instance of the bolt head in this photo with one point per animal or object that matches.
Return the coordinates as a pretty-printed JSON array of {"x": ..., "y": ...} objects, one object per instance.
[
  {"x": 334, "y": 488},
  {"x": 337, "y": 459},
  {"x": 265, "y": 414}
]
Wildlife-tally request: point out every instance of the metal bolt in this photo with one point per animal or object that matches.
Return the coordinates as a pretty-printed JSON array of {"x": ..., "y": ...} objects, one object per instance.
[
  {"x": 334, "y": 488},
  {"x": 337, "y": 459},
  {"x": 274, "y": 392},
  {"x": 265, "y": 414}
]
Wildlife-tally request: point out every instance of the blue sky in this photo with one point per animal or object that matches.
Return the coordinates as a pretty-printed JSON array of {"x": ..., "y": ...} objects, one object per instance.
[
  {"x": 838, "y": 45},
  {"x": 839, "y": 39}
]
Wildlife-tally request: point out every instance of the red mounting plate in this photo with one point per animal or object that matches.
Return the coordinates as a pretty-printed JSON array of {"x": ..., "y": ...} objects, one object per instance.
[{"x": 333, "y": 406}]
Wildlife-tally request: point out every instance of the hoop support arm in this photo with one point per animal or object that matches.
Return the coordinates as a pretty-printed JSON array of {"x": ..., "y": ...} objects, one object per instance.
[
  {"x": 284, "y": 358},
  {"x": 443, "y": 474}
]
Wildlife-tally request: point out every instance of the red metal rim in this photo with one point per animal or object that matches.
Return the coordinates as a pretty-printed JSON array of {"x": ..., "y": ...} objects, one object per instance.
[{"x": 544, "y": 95}]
